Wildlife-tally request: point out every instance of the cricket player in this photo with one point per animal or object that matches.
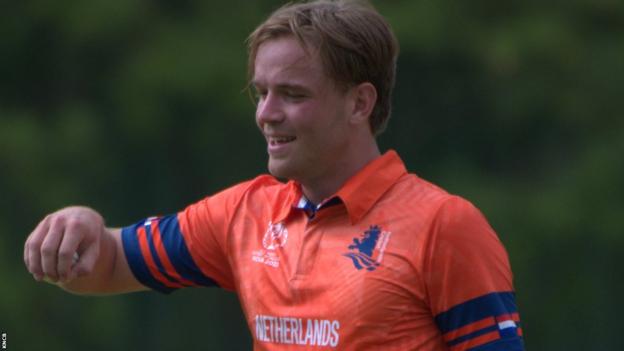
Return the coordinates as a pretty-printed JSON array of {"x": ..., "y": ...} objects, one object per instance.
[{"x": 339, "y": 247}]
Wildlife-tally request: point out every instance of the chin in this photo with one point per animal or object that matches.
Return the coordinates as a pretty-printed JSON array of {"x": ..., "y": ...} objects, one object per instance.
[
  {"x": 281, "y": 169},
  {"x": 277, "y": 169}
]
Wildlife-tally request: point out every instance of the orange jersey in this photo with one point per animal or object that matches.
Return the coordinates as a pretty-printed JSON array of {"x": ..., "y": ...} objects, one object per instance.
[{"x": 389, "y": 262}]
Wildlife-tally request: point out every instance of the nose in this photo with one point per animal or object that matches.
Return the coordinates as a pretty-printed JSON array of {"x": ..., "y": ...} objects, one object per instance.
[{"x": 269, "y": 110}]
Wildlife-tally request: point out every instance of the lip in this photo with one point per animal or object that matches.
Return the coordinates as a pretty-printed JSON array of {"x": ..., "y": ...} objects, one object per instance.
[{"x": 278, "y": 145}]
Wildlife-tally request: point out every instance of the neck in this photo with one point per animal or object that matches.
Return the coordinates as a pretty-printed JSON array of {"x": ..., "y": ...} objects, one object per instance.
[{"x": 326, "y": 185}]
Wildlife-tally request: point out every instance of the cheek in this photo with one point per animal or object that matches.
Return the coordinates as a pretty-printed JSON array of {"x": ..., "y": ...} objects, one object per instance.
[
  {"x": 319, "y": 119},
  {"x": 257, "y": 118},
  {"x": 303, "y": 117}
]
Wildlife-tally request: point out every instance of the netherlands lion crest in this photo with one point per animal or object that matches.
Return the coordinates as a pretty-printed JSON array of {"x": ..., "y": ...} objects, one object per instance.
[{"x": 368, "y": 250}]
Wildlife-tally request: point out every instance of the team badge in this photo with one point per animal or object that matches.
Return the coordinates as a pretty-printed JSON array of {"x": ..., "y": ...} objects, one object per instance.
[{"x": 368, "y": 250}]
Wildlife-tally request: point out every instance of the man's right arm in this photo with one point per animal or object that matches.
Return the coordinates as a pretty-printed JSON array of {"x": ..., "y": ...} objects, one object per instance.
[{"x": 101, "y": 266}]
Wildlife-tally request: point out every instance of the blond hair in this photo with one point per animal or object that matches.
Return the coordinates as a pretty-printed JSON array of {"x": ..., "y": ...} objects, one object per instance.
[{"x": 354, "y": 41}]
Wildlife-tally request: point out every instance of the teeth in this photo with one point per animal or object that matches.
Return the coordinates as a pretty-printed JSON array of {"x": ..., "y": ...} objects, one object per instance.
[{"x": 282, "y": 139}]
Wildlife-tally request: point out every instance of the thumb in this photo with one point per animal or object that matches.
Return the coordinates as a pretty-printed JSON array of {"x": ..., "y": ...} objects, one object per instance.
[{"x": 86, "y": 262}]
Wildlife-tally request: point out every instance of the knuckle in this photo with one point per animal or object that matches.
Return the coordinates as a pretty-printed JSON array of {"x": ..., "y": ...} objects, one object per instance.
[
  {"x": 33, "y": 245},
  {"x": 75, "y": 225},
  {"x": 47, "y": 218},
  {"x": 64, "y": 254},
  {"x": 57, "y": 219},
  {"x": 51, "y": 218},
  {"x": 48, "y": 251}
]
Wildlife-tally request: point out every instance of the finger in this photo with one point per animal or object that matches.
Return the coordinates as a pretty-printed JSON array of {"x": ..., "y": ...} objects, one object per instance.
[
  {"x": 26, "y": 251},
  {"x": 50, "y": 247},
  {"x": 89, "y": 251},
  {"x": 74, "y": 234},
  {"x": 32, "y": 240},
  {"x": 32, "y": 248},
  {"x": 71, "y": 274}
]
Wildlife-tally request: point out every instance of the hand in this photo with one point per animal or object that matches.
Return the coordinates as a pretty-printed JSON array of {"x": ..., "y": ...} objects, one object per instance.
[{"x": 65, "y": 245}]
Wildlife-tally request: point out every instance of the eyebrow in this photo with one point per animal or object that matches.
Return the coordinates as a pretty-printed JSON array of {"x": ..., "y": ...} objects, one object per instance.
[{"x": 282, "y": 86}]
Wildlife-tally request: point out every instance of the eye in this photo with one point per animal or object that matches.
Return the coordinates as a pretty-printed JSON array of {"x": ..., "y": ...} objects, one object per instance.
[
  {"x": 293, "y": 95},
  {"x": 259, "y": 94}
]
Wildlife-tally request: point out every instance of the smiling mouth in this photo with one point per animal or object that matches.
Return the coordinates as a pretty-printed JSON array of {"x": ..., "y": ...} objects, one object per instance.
[{"x": 273, "y": 141}]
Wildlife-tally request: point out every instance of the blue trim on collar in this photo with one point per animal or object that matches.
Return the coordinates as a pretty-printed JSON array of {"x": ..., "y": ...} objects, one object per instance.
[{"x": 311, "y": 209}]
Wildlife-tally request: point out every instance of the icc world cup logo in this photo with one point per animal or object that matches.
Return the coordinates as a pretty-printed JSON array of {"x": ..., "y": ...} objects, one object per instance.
[{"x": 275, "y": 236}]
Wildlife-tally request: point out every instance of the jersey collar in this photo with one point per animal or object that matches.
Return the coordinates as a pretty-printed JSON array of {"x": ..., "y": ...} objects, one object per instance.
[
  {"x": 358, "y": 194},
  {"x": 362, "y": 191}
]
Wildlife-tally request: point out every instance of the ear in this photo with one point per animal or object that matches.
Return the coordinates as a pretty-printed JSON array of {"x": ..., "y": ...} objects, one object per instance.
[{"x": 364, "y": 97}]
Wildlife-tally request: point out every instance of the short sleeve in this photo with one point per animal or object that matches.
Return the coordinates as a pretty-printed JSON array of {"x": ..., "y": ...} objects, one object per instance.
[
  {"x": 469, "y": 281},
  {"x": 158, "y": 256},
  {"x": 185, "y": 249}
]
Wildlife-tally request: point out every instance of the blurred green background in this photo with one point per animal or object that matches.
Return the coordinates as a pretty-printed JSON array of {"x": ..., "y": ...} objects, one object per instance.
[{"x": 137, "y": 108}]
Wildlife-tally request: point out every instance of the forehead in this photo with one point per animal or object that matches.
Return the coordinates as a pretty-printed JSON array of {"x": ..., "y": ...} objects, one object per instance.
[{"x": 283, "y": 59}]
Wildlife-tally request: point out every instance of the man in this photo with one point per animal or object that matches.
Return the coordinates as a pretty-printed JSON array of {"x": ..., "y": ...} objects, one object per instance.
[{"x": 351, "y": 253}]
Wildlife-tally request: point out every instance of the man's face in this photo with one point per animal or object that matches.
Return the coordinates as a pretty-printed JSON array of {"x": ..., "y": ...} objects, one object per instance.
[{"x": 301, "y": 112}]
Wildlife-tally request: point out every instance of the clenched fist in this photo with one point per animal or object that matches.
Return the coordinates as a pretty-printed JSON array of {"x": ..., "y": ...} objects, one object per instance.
[{"x": 65, "y": 245}]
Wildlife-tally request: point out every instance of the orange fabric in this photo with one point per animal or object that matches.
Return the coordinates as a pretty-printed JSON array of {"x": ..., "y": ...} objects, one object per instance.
[
  {"x": 476, "y": 326},
  {"x": 480, "y": 340},
  {"x": 370, "y": 272},
  {"x": 164, "y": 258},
  {"x": 150, "y": 261}
]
